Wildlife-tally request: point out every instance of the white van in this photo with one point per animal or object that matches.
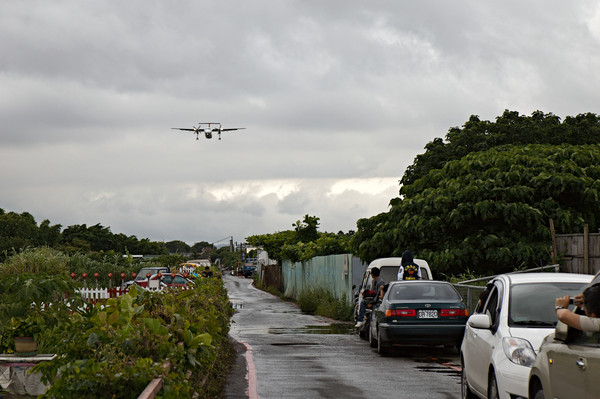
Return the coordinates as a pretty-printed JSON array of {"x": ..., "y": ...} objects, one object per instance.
[{"x": 388, "y": 268}]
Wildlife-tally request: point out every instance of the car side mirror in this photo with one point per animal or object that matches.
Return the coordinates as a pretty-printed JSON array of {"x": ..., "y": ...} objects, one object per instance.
[
  {"x": 561, "y": 331},
  {"x": 480, "y": 320}
]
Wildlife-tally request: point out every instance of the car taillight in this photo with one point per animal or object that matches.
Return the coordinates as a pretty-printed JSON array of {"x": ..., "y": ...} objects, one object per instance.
[
  {"x": 453, "y": 312},
  {"x": 400, "y": 313}
]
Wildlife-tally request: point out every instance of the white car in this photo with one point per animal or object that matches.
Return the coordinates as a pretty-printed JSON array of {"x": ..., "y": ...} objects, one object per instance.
[{"x": 503, "y": 335}]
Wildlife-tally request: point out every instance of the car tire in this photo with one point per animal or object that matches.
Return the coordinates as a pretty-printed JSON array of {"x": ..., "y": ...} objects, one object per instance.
[
  {"x": 465, "y": 391},
  {"x": 539, "y": 394},
  {"x": 382, "y": 347},
  {"x": 362, "y": 333},
  {"x": 493, "y": 387},
  {"x": 372, "y": 339}
]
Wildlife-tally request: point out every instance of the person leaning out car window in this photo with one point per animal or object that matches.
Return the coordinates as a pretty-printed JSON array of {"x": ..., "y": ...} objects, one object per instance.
[{"x": 590, "y": 299}]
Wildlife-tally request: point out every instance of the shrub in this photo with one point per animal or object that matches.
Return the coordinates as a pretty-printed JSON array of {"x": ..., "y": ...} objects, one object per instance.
[
  {"x": 117, "y": 350},
  {"x": 321, "y": 302}
]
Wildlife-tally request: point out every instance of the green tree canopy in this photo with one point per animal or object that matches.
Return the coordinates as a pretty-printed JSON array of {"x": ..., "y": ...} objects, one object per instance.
[
  {"x": 177, "y": 246},
  {"x": 485, "y": 205},
  {"x": 302, "y": 243}
]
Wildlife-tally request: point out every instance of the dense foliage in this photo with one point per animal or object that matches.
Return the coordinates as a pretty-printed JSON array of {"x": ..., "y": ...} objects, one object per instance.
[
  {"x": 302, "y": 243},
  {"x": 323, "y": 303},
  {"x": 19, "y": 231},
  {"x": 116, "y": 349},
  {"x": 477, "y": 203}
]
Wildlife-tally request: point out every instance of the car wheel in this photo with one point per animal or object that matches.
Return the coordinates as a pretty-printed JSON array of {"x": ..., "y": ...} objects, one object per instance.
[
  {"x": 539, "y": 394},
  {"x": 362, "y": 333},
  {"x": 382, "y": 347},
  {"x": 372, "y": 339},
  {"x": 465, "y": 391},
  {"x": 493, "y": 387}
]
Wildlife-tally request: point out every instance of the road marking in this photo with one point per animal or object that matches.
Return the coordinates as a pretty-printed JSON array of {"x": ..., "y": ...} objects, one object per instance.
[{"x": 251, "y": 373}]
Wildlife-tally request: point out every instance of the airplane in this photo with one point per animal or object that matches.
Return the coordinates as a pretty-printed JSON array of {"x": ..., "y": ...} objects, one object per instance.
[{"x": 204, "y": 127}]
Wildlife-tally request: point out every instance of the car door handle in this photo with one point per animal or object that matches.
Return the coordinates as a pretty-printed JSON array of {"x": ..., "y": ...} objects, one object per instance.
[{"x": 581, "y": 363}]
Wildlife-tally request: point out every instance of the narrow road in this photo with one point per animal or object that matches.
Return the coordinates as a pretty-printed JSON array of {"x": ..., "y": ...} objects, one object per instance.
[{"x": 286, "y": 354}]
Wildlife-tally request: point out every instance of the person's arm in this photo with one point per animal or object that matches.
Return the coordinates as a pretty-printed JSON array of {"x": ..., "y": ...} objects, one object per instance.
[{"x": 565, "y": 315}]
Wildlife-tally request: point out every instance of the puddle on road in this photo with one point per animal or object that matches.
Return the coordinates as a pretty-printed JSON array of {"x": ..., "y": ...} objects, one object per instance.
[
  {"x": 447, "y": 370},
  {"x": 336, "y": 328}
]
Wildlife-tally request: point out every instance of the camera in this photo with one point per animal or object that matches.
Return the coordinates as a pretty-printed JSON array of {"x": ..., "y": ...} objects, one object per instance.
[{"x": 571, "y": 300}]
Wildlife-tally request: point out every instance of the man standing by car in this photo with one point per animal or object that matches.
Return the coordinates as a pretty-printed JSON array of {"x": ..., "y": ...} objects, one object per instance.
[
  {"x": 376, "y": 285},
  {"x": 408, "y": 269}
]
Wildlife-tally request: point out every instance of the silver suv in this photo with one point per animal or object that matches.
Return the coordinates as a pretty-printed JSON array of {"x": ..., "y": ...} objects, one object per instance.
[{"x": 567, "y": 364}]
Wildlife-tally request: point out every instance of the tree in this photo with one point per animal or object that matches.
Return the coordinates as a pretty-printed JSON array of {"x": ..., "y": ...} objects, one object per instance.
[
  {"x": 509, "y": 129},
  {"x": 201, "y": 247},
  {"x": 306, "y": 231},
  {"x": 17, "y": 231},
  {"x": 303, "y": 243},
  {"x": 478, "y": 203},
  {"x": 177, "y": 247}
]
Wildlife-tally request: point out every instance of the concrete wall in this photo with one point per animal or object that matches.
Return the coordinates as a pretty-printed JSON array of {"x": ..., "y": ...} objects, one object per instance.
[{"x": 335, "y": 273}]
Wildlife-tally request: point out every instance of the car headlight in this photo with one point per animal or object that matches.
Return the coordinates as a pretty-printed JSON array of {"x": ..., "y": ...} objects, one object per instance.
[{"x": 519, "y": 351}]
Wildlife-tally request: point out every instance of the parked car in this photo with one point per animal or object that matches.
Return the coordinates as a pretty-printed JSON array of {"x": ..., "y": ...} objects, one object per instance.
[
  {"x": 388, "y": 272},
  {"x": 249, "y": 267},
  {"x": 567, "y": 364},
  {"x": 503, "y": 336},
  {"x": 420, "y": 312},
  {"x": 141, "y": 278},
  {"x": 160, "y": 281}
]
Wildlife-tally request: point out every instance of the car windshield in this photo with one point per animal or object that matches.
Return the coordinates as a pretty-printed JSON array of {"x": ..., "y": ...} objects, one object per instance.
[
  {"x": 418, "y": 291},
  {"x": 167, "y": 279},
  {"x": 152, "y": 270},
  {"x": 533, "y": 304},
  {"x": 388, "y": 273}
]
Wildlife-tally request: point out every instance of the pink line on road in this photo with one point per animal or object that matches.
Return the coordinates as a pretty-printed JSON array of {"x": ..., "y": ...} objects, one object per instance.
[{"x": 251, "y": 373}]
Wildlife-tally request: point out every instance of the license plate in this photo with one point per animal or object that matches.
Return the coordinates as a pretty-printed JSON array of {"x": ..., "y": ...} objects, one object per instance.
[{"x": 428, "y": 314}]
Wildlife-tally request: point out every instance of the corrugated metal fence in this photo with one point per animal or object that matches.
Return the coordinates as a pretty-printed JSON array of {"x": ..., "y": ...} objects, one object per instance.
[{"x": 335, "y": 273}]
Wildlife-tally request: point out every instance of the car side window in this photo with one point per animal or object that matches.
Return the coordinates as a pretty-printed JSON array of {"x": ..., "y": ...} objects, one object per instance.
[
  {"x": 363, "y": 283},
  {"x": 587, "y": 339},
  {"x": 491, "y": 306}
]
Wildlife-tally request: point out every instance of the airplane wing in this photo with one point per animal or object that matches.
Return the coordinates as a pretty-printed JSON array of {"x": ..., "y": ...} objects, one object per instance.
[
  {"x": 232, "y": 128},
  {"x": 182, "y": 128}
]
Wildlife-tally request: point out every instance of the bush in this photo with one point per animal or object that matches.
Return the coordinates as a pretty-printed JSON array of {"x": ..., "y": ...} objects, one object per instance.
[
  {"x": 321, "y": 302},
  {"x": 116, "y": 351}
]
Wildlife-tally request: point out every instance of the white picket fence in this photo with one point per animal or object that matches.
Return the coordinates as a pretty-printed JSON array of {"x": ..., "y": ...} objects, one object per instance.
[{"x": 94, "y": 295}]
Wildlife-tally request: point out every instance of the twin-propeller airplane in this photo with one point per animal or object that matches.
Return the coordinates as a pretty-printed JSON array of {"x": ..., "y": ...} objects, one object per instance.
[{"x": 208, "y": 130}]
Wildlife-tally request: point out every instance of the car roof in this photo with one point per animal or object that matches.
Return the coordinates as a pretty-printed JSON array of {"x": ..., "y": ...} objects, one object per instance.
[
  {"x": 419, "y": 282},
  {"x": 525, "y": 278},
  {"x": 394, "y": 261}
]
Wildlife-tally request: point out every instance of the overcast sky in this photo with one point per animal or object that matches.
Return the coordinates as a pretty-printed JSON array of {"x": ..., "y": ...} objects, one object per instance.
[{"x": 337, "y": 98}]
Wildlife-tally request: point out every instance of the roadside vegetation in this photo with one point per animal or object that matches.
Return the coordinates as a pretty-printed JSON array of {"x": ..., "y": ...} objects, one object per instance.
[
  {"x": 482, "y": 199},
  {"x": 320, "y": 301},
  {"x": 116, "y": 349}
]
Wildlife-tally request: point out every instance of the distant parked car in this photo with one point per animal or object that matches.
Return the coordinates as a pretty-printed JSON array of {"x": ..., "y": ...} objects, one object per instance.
[
  {"x": 567, "y": 364},
  {"x": 160, "y": 281},
  {"x": 502, "y": 336},
  {"x": 141, "y": 278},
  {"x": 388, "y": 268},
  {"x": 419, "y": 312}
]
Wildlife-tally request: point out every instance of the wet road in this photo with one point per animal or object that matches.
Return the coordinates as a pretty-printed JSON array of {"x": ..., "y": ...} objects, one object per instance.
[{"x": 286, "y": 354}]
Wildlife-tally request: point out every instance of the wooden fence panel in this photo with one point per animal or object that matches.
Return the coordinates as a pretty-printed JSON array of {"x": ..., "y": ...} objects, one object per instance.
[{"x": 574, "y": 255}]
